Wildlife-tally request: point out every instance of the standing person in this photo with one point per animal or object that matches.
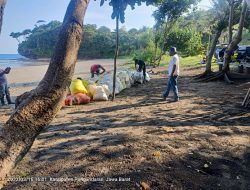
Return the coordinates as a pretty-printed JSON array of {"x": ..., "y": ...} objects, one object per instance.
[
  {"x": 142, "y": 67},
  {"x": 173, "y": 73},
  {"x": 4, "y": 89},
  {"x": 96, "y": 69}
]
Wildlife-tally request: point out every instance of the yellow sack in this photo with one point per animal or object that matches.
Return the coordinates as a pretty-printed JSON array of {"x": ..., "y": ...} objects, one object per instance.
[
  {"x": 77, "y": 86},
  {"x": 85, "y": 83}
]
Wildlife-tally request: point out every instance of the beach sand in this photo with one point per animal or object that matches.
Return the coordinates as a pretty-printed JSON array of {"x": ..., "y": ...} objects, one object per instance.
[{"x": 26, "y": 78}]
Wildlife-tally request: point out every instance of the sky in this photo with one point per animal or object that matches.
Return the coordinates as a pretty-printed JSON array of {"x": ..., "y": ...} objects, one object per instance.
[{"x": 23, "y": 14}]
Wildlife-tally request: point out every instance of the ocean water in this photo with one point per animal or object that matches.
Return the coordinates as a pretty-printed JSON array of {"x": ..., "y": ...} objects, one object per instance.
[{"x": 12, "y": 60}]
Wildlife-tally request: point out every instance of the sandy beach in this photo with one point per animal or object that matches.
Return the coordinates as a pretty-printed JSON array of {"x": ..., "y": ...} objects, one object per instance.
[{"x": 26, "y": 78}]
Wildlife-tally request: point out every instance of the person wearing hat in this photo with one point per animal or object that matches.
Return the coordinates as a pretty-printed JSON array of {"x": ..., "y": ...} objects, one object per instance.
[{"x": 173, "y": 73}]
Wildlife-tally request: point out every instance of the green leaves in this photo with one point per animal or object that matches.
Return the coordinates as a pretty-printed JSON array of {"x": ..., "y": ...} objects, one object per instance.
[
  {"x": 119, "y": 7},
  {"x": 187, "y": 41},
  {"x": 170, "y": 10}
]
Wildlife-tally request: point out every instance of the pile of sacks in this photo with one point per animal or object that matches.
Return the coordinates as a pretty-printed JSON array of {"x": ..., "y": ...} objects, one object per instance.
[
  {"x": 99, "y": 89},
  {"x": 82, "y": 91}
]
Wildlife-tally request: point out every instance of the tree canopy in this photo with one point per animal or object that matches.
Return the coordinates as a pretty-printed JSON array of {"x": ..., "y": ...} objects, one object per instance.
[{"x": 119, "y": 6}]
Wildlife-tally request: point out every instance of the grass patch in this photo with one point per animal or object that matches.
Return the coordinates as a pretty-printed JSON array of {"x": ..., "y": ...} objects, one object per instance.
[
  {"x": 192, "y": 61},
  {"x": 185, "y": 62}
]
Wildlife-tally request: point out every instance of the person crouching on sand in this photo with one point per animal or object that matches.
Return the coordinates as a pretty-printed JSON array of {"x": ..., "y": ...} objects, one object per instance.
[
  {"x": 4, "y": 89},
  {"x": 96, "y": 69}
]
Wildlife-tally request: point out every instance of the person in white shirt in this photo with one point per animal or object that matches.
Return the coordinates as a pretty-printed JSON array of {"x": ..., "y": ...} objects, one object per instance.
[{"x": 173, "y": 73}]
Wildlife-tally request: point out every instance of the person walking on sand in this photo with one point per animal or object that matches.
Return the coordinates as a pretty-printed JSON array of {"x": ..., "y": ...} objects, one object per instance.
[
  {"x": 173, "y": 73},
  {"x": 4, "y": 89}
]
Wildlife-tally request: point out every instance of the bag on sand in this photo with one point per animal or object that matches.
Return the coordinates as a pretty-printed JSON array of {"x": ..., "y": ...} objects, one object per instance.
[
  {"x": 106, "y": 89},
  {"x": 92, "y": 90},
  {"x": 85, "y": 83},
  {"x": 69, "y": 101},
  {"x": 108, "y": 80},
  {"x": 138, "y": 77},
  {"x": 81, "y": 99},
  {"x": 100, "y": 94},
  {"x": 147, "y": 77},
  {"x": 77, "y": 86}
]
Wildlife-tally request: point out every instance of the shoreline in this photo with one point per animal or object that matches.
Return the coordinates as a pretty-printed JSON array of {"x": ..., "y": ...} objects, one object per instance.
[{"x": 22, "y": 79}]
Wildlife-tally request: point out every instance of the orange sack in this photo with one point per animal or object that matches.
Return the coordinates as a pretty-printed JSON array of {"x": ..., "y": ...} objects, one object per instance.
[{"x": 82, "y": 98}]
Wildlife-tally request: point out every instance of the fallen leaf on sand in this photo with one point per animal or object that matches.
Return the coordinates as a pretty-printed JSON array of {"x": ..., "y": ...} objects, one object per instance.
[
  {"x": 157, "y": 154},
  {"x": 145, "y": 186},
  {"x": 168, "y": 130}
]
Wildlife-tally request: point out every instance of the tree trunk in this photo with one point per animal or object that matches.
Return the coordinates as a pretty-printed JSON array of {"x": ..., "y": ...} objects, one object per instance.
[
  {"x": 115, "y": 57},
  {"x": 167, "y": 28},
  {"x": 165, "y": 31},
  {"x": 37, "y": 108},
  {"x": 155, "y": 52},
  {"x": 211, "y": 52},
  {"x": 2, "y": 5},
  {"x": 230, "y": 22},
  {"x": 246, "y": 101},
  {"x": 233, "y": 45}
]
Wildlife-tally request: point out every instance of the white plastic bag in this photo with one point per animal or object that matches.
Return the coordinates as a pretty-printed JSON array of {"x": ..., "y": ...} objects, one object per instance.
[
  {"x": 147, "y": 77},
  {"x": 106, "y": 89},
  {"x": 100, "y": 94},
  {"x": 138, "y": 77}
]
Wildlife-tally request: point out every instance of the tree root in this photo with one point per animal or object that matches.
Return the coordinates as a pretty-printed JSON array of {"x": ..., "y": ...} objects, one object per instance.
[
  {"x": 203, "y": 75},
  {"x": 222, "y": 75},
  {"x": 246, "y": 101}
]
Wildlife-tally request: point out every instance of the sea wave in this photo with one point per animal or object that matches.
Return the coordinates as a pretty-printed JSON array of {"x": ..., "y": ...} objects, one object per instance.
[{"x": 17, "y": 61}]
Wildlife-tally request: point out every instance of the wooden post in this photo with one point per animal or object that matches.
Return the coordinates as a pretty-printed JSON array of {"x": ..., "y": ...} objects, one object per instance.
[{"x": 115, "y": 58}]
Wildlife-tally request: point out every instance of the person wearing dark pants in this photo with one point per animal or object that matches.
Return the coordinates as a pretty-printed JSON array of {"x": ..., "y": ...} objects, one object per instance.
[
  {"x": 4, "y": 89},
  {"x": 96, "y": 69},
  {"x": 173, "y": 73},
  {"x": 142, "y": 67}
]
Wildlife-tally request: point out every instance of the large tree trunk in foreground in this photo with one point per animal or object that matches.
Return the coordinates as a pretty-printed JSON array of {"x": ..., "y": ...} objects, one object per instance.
[
  {"x": 234, "y": 44},
  {"x": 37, "y": 108},
  {"x": 115, "y": 57},
  {"x": 2, "y": 5}
]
